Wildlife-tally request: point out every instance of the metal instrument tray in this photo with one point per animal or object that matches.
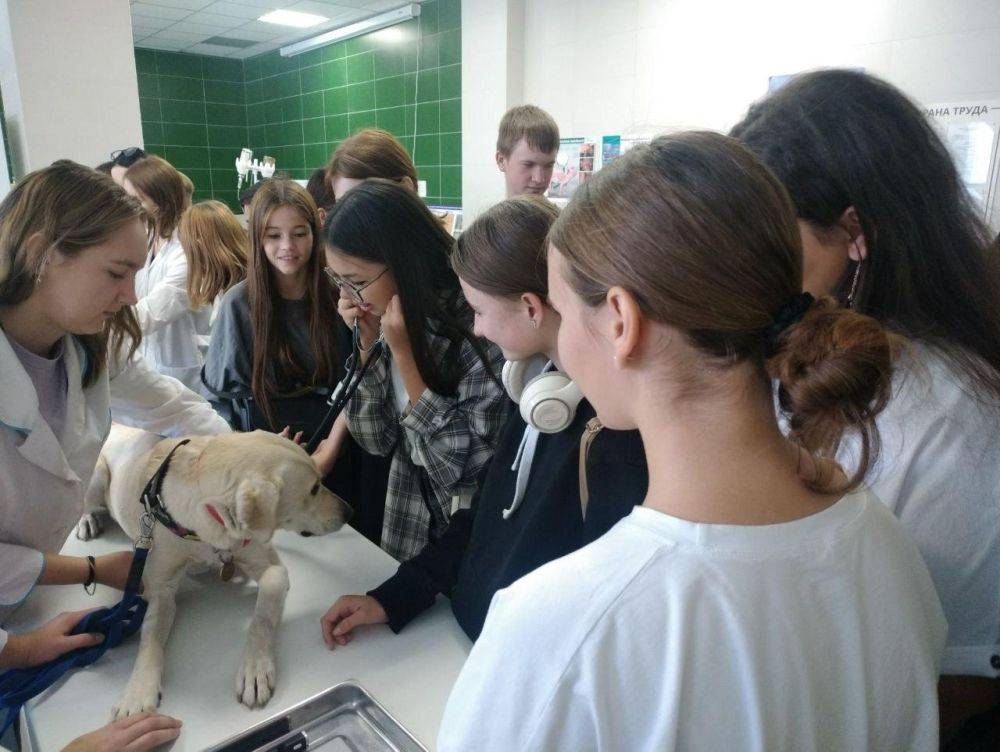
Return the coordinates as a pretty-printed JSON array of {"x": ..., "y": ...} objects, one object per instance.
[{"x": 344, "y": 718}]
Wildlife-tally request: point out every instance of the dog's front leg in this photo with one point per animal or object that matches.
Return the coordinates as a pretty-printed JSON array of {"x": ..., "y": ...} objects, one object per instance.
[
  {"x": 142, "y": 693},
  {"x": 256, "y": 675}
]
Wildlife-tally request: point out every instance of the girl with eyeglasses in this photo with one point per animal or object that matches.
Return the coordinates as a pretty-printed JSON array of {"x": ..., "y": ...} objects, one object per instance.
[
  {"x": 557, "y": 479},
  {"x": 432, "y": 401}
]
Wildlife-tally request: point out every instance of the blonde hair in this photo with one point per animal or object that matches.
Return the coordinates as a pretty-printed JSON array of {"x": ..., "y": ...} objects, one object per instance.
[
  {"x": 167, "y": 188},
  {"x": 216, "y": 248},
  {"x": 74, "y": 208}
]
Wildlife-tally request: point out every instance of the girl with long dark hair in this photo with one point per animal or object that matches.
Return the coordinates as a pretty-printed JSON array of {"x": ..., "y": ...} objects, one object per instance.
[
  {"x": 890, "y": 231},
  {"x": 433, "y": 400}
]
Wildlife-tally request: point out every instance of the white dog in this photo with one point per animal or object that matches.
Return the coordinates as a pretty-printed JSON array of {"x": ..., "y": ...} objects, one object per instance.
[{"x": 231, "y": 491}]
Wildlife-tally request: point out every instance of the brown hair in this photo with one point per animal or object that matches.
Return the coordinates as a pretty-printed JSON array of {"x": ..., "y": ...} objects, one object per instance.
[
  {"x": 216, "y": 247},
  {"x": 371, "y": 153},
  {"x": 319, "y": 189},
  {"x": 705, "y": 238},
  {"x": 74, "y": 208},
  {"x": 167, "y": 188},
  {"x": 502, "y": 253},
  {"x": 531, "y": 123},
  {"x": 275, "y": 366}
]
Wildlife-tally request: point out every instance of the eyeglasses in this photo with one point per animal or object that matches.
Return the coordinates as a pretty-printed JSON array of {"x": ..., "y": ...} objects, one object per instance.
[
  {"x": 352, "y": 289},
  {"x": 127, "y": 157}
]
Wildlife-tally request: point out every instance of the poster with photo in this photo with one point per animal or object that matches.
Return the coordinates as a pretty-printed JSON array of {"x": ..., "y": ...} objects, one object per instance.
[
  {"x": 611, "y": 149},
  {"x": 574, "y": 165}
]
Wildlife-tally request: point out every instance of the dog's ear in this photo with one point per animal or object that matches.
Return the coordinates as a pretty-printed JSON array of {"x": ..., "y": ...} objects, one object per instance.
[{"x": 257, "y": 503}]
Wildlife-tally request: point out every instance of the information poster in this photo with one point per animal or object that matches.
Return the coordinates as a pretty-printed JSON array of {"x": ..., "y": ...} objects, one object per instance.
[
  {"x": 611, "y": 149},
  {"x": 971, "y": 131},
  {"x": 574, "y": 166}
]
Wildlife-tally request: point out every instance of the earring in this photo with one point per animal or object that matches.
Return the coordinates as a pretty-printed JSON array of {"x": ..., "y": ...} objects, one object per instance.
[
  {"x": 854, "y": 285},
  {"x": 534, "y": 324}
]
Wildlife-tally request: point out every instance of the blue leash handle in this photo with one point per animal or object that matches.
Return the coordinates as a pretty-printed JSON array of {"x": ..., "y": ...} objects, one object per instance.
[{"x": 117, "y": 623}]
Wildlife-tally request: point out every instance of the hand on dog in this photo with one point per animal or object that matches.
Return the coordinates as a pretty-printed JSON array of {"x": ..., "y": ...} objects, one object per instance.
[
  {"x": 113, "y": 569},
  {"x": 287, "y": 434},
  {"x": 136, "y": 733},
  {"x": 348, "y": 612}
]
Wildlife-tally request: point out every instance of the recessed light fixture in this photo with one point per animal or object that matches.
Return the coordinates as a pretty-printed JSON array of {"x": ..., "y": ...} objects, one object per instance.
[
  {"x": 292, "y": 18},
  {"x": 364, "y": 26}
]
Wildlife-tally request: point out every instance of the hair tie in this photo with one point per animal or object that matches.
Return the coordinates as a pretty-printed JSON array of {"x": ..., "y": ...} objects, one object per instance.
[{"x": 791, "y": 313}]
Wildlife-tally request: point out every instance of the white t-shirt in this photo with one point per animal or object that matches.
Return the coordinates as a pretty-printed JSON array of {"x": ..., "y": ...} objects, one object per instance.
[
  {"x": 819, "y": 634},
  {"x": 939, "y": 472}
]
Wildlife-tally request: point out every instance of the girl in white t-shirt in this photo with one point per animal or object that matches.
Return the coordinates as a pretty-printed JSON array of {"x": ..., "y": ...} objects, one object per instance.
[
  {"x": 890, "y": 230},
  {"x": 760, "y": 599}
]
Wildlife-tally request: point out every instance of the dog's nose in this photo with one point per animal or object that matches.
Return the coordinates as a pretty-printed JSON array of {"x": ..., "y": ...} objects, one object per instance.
[{"x": 306, "y": 534}]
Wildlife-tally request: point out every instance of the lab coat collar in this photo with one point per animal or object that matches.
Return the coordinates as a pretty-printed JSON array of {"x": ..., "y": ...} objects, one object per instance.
[{"x": 19, "y": 409}]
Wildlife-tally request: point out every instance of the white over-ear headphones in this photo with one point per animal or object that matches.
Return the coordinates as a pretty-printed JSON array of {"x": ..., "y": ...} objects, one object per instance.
[{"x": 548, "y": 402}]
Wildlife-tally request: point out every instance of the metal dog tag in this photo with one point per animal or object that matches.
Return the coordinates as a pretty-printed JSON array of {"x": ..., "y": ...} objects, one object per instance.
[{"x": 227, "y": 571}]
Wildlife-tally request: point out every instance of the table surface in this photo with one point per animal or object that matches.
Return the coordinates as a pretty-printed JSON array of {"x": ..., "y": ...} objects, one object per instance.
[{"x": 410, "y": 674}]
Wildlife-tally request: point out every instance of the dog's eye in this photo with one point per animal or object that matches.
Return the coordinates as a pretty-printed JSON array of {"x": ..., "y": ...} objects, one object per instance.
[{"x": 315, "y": 489}]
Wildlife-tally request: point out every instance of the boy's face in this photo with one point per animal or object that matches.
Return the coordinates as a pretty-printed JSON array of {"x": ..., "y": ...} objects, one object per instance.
[{"x": 526, "y": 170}]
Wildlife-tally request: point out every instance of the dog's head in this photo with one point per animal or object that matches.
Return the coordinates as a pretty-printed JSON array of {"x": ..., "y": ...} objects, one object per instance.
[{"x": 250, "y": 484}]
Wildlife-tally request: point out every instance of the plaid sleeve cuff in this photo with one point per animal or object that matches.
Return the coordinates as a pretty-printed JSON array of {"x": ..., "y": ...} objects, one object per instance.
[{"x": 427, "y": 415}]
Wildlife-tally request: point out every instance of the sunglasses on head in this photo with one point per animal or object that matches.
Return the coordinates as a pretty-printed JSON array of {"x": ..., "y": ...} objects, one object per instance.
[{"x": 127, "y": 157}]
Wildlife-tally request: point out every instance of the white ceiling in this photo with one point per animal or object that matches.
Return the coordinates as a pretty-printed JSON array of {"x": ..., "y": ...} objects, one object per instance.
[{"x": 184, "y": 25}]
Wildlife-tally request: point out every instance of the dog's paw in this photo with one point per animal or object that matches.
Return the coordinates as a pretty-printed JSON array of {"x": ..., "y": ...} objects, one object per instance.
[
  {"x": 139, "y": 697},
  {"x": 91, "y": 525},
  {"x": 255, "y": 678}
]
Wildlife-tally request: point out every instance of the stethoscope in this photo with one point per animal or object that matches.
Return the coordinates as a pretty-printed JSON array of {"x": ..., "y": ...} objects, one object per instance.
[{"x": 347, "y": 386}]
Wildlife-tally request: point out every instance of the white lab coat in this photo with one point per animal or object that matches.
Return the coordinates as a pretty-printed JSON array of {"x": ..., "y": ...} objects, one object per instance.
[
  {"x": 44, "y": 476},
  {"x": 173, "y": 336}
]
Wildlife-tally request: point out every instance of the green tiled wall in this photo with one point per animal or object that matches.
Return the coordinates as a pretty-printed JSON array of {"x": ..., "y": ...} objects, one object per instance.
[
  {"x": 198, "y": 111},
  {"x": 406, "y": 79},
  {"x": 194, "y": 115}
]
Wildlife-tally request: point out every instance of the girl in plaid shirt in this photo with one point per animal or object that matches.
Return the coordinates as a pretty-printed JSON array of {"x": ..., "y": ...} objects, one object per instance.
[{"x": 433, "y": 400}]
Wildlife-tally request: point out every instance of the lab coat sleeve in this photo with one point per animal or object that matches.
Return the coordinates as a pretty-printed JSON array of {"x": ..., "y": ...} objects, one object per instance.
[
  {"x": 143, "y": 398},
  {"x": 168, "y": 300},
  {"x": 20, "y": 569}
]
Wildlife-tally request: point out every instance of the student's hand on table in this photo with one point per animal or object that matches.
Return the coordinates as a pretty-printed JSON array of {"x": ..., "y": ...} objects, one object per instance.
[
  {"x": 348, "y": 612},
  {"x": 137, "y": 733},
  {"x": 394, "y": 328},
  {"x": 48, "y": 642}
]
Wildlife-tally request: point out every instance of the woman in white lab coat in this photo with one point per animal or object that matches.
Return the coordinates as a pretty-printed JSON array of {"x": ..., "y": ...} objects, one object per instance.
[
  {"x": 71, "y": 242},
  {"x": 171, "y": 330}
]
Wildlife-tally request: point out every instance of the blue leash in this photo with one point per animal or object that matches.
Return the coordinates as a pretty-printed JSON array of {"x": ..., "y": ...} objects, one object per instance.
[{"x": 116, "y": 623}]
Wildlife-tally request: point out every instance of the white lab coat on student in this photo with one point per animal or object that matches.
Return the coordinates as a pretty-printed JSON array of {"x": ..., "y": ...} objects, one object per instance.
[
  {"x": 44, "y": 476},
  {"x": 173, "y": 336}
]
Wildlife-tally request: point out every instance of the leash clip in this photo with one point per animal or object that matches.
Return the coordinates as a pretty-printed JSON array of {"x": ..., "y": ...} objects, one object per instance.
[{"x": 146, "y": 523}]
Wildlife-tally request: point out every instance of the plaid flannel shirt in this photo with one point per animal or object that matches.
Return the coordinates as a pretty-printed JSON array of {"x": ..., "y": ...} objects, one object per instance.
[{"x": 438, "y": 447}]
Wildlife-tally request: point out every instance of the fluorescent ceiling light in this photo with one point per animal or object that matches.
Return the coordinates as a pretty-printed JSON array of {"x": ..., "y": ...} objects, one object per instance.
[
  {"x": 374, "y": 23},
  {"x": 292, "y": 18}
]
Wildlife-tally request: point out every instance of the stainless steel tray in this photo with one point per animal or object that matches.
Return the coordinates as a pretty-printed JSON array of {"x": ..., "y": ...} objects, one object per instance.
[{"x": 344, "y": 718}]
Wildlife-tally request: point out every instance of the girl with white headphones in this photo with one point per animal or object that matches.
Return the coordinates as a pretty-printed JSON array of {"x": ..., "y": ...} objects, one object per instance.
[{"x": 531, "y": 506}]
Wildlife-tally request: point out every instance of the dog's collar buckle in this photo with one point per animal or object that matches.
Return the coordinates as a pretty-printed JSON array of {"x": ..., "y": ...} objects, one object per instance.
[{"x": 152, "y": 500}]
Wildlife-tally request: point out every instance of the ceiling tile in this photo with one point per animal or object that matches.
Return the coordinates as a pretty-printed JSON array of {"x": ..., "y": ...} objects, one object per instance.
[
  {"x": 156, "y": 44},
  {"x": 186, "y": 4},
  {"x": 214, "y": 19},
  {"x": 212, "y": 49},
  {"x": 159, "y": 11},
  {"x": 170, "y": 35}
]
